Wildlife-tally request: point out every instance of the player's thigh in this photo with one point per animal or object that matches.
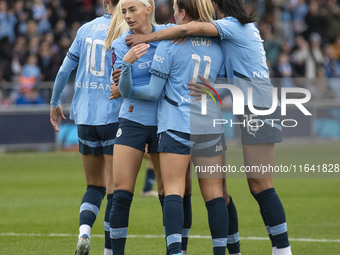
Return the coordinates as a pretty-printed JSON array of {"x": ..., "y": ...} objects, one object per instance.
[
  {"x": 126, "y": 164},
  {"x": 94, "y": 169},
  {"x": 173, "y": 170}
]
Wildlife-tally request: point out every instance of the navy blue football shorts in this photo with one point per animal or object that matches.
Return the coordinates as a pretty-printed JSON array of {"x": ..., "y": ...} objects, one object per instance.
[
  {"x": 136, "y": 135},
  {"x": 258, "y": 129},
  {"x": 97, "y": 140},
  {"x": 172, "y": 141}
]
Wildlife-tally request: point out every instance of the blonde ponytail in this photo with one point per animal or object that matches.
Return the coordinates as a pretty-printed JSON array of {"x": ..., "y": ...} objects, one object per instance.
[{"x": 118, "y": 26}]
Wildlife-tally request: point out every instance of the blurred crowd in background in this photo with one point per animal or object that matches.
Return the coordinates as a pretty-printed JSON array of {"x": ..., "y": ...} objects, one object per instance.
[{"x": 301, "y": 39}]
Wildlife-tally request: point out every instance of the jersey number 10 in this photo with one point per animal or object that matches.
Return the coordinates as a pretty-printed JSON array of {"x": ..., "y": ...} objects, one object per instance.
[{"x": 91, "y": 56}]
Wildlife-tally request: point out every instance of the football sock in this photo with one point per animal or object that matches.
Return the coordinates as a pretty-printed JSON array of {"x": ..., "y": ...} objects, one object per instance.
[
  {"x": 283, "y": 251},
  {"x": 266, "y": 223},
  {"x": 173, "y": 221},
  {"x": 149, "y": 180},
  {"x": 187, "y": 221},
  {"x": 161, "y": 200},
  {"x": 233, "y": 235},
  {"x": 273, "y": 211},
  {"x": 218, "y": 223},
  {"x": 89, "y": 208},
  {"x": 107, "y": 223},
  {"x": 107, "y": 251},
  {"x": 119, "y": 220}
]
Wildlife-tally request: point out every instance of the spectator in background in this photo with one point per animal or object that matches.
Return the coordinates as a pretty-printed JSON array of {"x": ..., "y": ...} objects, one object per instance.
[
  {"x": 28, "y": 94},
  {"x": 30, "y": 71},
  {"x": 20, "y": 49},
  {"x": 332, "y": 20},
  {"x": 315, "y": 19},
  {"x": 60, "y": 29},
  {"x": 315, "y": 58},
  {"x": 16, "y": 67},
  {"x": 22, "y": 23},
  {"x": 33, "y": 45},
  {"x": 19, "y": 8},
  {"x": 287, "y": 22},
  {"x": 299, "y": 12},
  {"x": 48, "y": 69},
  {"x": 336, "y": 47},
  {"x": 5, "y": 57},
  {"x": 164, "y": 12},
  {"x": 7, "y": 23},
  {"x": 299, "y": 56},
  {"x": 4, "y": 100},
  {"x": 38, "y": 10},
  {"x": 31, "y": 29},
  {"x": 285, "y": 71},
  {"x": 271, "y": 45},
  {"x": 54, "y": 12},
  {"x": 332, "y": 68}
]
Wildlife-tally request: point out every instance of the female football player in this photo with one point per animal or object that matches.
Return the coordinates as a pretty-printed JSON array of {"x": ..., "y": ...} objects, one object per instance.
[
  {"x": 95, "y": 116},
  {"x": 245, "y": 65},
  {"x": 137, "y": 119}
]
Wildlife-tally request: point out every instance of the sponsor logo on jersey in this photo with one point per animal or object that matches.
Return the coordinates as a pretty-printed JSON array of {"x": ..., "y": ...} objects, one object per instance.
[
  {"x": 158, "y": 59},
  {"x": 145, "y": 65}
]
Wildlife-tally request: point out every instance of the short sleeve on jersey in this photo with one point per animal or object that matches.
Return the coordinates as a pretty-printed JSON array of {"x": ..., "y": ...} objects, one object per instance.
[
  {"x": 224, "y": 28},
  {"x": 162, "y": 60}
]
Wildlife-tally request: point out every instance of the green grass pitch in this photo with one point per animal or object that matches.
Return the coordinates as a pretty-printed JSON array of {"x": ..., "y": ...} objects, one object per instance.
[{"x": 40, "y": 194}]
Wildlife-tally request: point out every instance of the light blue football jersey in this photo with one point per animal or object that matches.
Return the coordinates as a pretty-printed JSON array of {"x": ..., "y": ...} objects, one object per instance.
[
  {"x": 181, "y": 64},
  {"x": 245, "y": 59},
  {"x": 91, "y": 104},
  {"x": 140, "y": 111}
]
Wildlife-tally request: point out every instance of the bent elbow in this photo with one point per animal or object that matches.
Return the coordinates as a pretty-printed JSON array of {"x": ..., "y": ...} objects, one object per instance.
[{"x": 185, "y": 30}]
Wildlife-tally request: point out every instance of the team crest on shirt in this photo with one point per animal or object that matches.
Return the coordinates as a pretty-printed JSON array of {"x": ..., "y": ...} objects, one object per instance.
[
  {"x": 119, "y": 132},
  {"x": 131, "y": 108},
  {"x": 114, "y": 57}
]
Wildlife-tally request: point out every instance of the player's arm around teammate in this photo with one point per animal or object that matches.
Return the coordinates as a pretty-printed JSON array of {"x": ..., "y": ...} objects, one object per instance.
[
  {"x": 239, "y": 40},
  {"x": 174, "y": 127},
  {"x": 137, "y": 123}
]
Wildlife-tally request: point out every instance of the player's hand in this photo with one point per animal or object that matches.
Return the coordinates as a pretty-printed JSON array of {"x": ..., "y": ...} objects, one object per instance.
[
  {"x": 136, "y": 52},
  {"x": 180, "y": 39},
  {"x": 133, "y": 40},
  {"x": 115, "y": 76},
  {"x": 114, "y": 92},
  {"x": 55, "y": 113},
  {"x": 197, "y": 90}
]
